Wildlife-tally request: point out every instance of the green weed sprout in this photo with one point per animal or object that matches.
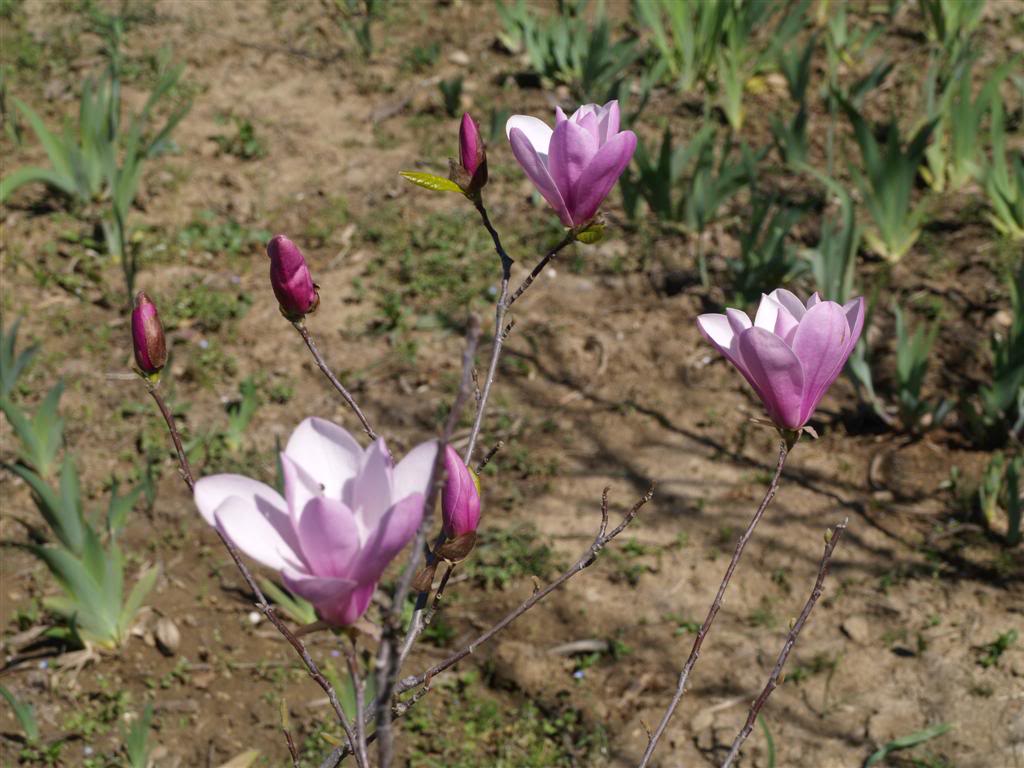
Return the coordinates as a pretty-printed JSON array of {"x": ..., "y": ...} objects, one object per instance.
[
  {"x": 136, "y": 739},
  {"x": 999, "y": 412},
  {"x": 765, "y": 256},
  {"x": 913, "y": 351},
  {"x": 98, "y": 163},
  {"x": 887, "y": 183},
  {"x": 684, "y": 36},
  {"x": 791, "y": 137},
  {"x": 1004, "y": 181},
  {"x": 563, "y": 48},
  {"x": 834, "y": 258},
  {"x": 87, "y": 565},
  {"x": 690, "y": 201},
  {"x": 1000, "y": 488}
]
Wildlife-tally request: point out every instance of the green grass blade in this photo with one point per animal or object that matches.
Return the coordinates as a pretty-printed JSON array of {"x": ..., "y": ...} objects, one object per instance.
[
  {"x": 905, "y": 742},
  {"x": 25, "y": 715}
]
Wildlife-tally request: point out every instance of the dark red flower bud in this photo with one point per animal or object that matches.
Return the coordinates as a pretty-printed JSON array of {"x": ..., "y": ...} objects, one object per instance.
[
  {"x": 290, "y": 278},
  {"x": 148, "y": 336}
]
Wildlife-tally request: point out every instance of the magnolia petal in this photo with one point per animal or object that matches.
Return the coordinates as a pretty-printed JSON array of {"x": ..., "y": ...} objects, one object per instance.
[
  {"x": 316, "y": 589},
  {"x": 412, "y": 475},
  {"x": 722, "y": 334},
  {"x": 299, "y": 487},
  {"x": 536, "y": 169},
  {"x": 738, "y": 321},
  {"x": 536, "y": 132},
  {"x": 347, "y": 610},
  {"x": 328, "y": 453},
  {"x": 601, "y": 174},
  {"x": 371, "y": 492},
  {"x": 210, "y": 492},
  {"x": 573, "y": 147},
  {"x": 821, "y": 343},
  {"x": 609, "y": 120},
  {"x": 590, "y": 124},
  {"x": 717, "y": 329},
  {"x": 264, "y": 535},
  {"x": 814, "y": 299},
  {"x": 789, "y": 300},
  {"x": 396, "y": 529},
  {"x": 774, "y": 371},
  {"x": 329, "y": 537},
  {"x": 559, "y": 115}
]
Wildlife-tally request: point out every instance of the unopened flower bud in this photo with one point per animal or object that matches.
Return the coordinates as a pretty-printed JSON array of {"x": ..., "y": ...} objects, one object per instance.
[
  {"x": 148, "y": 336},
  {"x": 290, "y": 278},
  {"x": 472, "y": 174},
  {"x": 460, "y": 497}
]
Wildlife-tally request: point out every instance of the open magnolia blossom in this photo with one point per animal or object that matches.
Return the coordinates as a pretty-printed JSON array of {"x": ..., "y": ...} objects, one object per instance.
[
  {"x": 345, "y": 515},
  {"x": 576, "y": 165},
  {"x": 791, "y": 353}
]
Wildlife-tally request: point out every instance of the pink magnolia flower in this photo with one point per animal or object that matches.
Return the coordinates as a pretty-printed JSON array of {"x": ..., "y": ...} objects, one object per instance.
[
  {"x": 792, "y": 353},
  {"x": 290, "y": 278},
  {"x": 460, "y": 497},
  {"x": 148, "y": 340},
  {"x": 346, "y": 514},
  {"x": 575, "y": 166}
]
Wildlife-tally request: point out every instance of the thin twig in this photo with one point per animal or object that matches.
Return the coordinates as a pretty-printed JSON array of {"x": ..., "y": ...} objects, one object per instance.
[
  {"x": 684, "y": 675},
  {"x": 569, "y": 237},
  {"x": 291, "y": 747},
  {"x": 488, "y": 456},
  {"x": 500, "y": 308},
  {"x": 439, "y": 594},
  {"x": 585, "y": 560},
  {"x": 184, "y": 468},
  {"x": 501, "y": 330},
  {"x": 322, "y": 365},
  {"x": 389, "y": 651},
  {"x": 357, "y": 684},
  {"x": 400, "y": 708},
  {"x": 831, "y": 540},
  {"x": 262, "y": 604}
]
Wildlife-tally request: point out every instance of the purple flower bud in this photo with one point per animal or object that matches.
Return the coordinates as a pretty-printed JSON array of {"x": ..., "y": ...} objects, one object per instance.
[
  {"x": 471, "y": 149},
  {"x": 471, "y": 174},
  {"x": 290, "y": 278},
  {"x": 460, "y": 497},
  {"x": 148, "y": 336}
]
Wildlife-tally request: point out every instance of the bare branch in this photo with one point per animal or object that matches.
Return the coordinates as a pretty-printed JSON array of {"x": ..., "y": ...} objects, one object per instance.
[
  {"x": 389, "y": 653},
  {"x": 585, "y": 560},
  {"x": 357, "y": 683},
  {"x": 684, "y": 675},
  {"x": 300, "y": 326},
  {"x": 831, "y": 540}
]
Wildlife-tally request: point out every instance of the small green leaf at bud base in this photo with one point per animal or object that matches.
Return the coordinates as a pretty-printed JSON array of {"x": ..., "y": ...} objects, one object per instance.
[
  {"x": 430, "y": 181},
  {"x": 594, "y": 233}
]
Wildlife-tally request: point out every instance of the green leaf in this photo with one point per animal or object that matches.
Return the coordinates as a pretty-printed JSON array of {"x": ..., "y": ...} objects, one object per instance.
[
  {"x": 297, "y": 609},
  {"x": 592, "y": 234},
  {"x": 430, "y": 181},
  {"x": 142, "y": 588},
  {"x": 93, "y": 618},
  {"x": 70, "y": 510},
  {"x": 56, "y": 150},
  {"x": 25, "y": 715},
  {"x": 34, "y": 175},
  {"x": 120, "y": 506},
  {"x": 11, "y": 366},
  {"x": 135, "y": 740},
  {"x": 905, "y": 742}
]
